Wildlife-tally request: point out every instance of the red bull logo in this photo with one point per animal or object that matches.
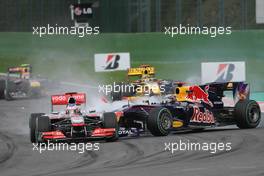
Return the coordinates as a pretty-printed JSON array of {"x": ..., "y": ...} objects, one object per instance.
[
  {"x": 202, "y": 117},
  {"x": 196, "y": 93}
]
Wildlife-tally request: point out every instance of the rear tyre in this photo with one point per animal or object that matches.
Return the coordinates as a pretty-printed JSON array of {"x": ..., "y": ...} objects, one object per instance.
[
  {"x": 42, "y": 125},
  {"x": 116, "y": 96},
  {"x": 110, "y": 121},
  {"x": 126, "y": 90},
  {"x": 247, "y": 114},
  {"x": 159, "y": 121},
  {"x": 2, "y": 89},
  {"x": 32, "y": 126},
  {"x": 7, "y": 95}
]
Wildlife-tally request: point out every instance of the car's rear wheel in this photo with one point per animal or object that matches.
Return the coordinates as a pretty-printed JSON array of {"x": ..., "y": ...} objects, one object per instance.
[
  {"x": 32, "y": 125},
  {"x": 110, "y": 121},
  {"x": 125, "y": 90},
  {"x": 2, "y": 89},
  {"x": 7, "y": 95},
  {"x": 247, "y": 114},
  {"x": 159, "y": 121}
]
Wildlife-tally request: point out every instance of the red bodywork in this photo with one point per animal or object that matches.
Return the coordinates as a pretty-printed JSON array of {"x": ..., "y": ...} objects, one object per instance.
[
  {"x": 98, "y": 132},
  {"x": 63, "y": 99}
]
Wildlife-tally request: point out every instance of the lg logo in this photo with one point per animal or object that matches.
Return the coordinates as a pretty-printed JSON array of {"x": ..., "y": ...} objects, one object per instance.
[
  {"x": 112, "y": 62},
  {"x": 79, "y": 11},
  {"x": 225, "y": 72}
]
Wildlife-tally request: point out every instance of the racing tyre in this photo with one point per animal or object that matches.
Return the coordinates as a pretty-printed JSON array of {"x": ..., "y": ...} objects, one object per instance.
[
  {"x": 159, "y": 121},
  {"x": 7, "y": 95},
  {"x": 247, "y": 114},
  {"x": 32, "y": 125},
  {"x": 116, "y": 96},
  {"x": 110, "y": 121},
  {"x": 42, "y": 125},
  {"x": 126, "y": 90},
  {"x": 2, "y": 89}
]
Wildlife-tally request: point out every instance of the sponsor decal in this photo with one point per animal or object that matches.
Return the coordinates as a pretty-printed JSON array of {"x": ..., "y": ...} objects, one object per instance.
[
  {"x": 63, "y": 99},
  {"x": 111, "y": 62},
  {"x": 196, "y": 93},
  {"x": 82, "y": 10},
  {"x": 225, "y": 72},
  {"x": 202, "y": 117},
  {"x": 124, "y": 132}
]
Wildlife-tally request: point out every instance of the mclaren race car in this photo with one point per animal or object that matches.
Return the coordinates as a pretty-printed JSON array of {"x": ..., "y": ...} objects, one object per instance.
[
  {"x": 193, "y": 108},
  {"x": 72, "y": 124}
]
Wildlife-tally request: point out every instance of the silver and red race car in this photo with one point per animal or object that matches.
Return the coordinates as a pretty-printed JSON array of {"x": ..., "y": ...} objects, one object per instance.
[{"x": 72, "y": 124}]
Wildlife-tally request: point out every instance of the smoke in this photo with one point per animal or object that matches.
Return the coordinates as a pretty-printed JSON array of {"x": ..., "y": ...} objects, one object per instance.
[{"x": 194, "y": 80}]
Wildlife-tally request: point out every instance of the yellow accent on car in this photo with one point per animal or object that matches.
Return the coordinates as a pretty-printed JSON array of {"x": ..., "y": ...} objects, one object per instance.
[
  {"x": 34, "y": 84},
  {"x": 140, "y": 71},
  {"x": 182, "y": 93},
  {"x": 177, "y": 124}
]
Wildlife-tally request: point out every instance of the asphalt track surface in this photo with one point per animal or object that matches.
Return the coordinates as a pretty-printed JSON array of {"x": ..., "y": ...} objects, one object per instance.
[{"x": 129, "y": 156}]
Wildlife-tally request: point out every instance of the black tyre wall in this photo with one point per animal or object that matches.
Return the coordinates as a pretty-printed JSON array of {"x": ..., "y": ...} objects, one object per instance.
[{"x": 243, "y": 111}]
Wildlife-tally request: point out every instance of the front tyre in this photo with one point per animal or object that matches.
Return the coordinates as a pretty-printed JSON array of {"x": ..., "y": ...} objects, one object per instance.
[
  {"x": 247, "y": 114},
  {"x": 110, "y": 121},
  {"x": 159, "y": 121},
  {"x": 32, "y": 126}
]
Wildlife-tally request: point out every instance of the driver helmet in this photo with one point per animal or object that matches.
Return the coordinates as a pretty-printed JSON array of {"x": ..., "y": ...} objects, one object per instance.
[{"x": 72, "y": 108}]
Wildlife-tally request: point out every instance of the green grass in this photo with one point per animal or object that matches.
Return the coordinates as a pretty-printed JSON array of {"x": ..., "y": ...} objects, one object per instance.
[{"x": 179, "y": 58}]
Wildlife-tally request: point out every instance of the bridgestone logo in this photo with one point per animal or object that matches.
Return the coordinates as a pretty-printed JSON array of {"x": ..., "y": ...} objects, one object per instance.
[{"x": 202, "y": 117}]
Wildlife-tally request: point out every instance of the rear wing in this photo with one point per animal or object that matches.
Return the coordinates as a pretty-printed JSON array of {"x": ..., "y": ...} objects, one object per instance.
[
  {"x": 240, "y": 90},
  {"x": 63, "y": 99},
  {"x": 24, "y": 70},
  {"x": 143, "y": 70}
]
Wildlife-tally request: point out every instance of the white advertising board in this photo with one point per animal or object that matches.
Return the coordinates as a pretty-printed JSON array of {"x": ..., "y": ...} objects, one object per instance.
[
  {"x": 223, "y": 72},
  {"x": 259, "y": 11},
  {"x": 111, "y": 62}
]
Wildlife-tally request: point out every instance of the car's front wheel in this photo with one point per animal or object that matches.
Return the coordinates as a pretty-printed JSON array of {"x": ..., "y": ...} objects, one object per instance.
[
  {"x": 159, "y": 121},
  {"x": 32, "y": 126},
  {"x": 110, "y": 121}
]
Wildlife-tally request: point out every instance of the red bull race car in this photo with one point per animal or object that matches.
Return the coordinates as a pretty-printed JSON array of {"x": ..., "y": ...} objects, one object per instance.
[
  {"x": 72, "y": 124},
  {"x": 192, "y": 107}
]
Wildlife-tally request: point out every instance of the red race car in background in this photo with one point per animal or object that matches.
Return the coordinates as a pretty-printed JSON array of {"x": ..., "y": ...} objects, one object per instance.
[{"x": 72, "y": 124}]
